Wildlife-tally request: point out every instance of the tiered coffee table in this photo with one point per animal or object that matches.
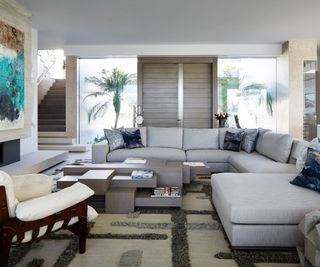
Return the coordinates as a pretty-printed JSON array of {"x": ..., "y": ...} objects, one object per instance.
[{"x": 124, "y": 194}]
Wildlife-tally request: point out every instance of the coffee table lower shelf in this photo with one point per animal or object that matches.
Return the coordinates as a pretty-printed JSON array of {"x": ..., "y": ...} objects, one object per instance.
[{"x": 143, "y": 198}]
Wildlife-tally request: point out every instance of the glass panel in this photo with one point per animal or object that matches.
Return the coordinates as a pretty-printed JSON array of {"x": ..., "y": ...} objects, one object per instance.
[
  {"x": 309, "y": 118},
  {"x": 99, "y": 97},
  {"x": 247, "y": 88}
]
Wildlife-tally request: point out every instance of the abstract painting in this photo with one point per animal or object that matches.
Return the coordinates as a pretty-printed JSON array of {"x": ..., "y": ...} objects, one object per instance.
[{"x": 11, "y": 77}]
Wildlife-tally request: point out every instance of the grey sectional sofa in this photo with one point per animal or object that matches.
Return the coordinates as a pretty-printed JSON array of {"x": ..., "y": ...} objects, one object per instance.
[
  {"x": 198, "y": 145},
  {"x": 257, "y": 205}
]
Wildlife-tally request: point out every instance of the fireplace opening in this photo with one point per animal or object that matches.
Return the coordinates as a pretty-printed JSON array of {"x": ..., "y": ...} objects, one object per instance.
[{"x": 9, "y": 152}]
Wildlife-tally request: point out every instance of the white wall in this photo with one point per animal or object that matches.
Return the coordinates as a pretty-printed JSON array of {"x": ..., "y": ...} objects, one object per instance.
[{"x": 30, "y": 143}]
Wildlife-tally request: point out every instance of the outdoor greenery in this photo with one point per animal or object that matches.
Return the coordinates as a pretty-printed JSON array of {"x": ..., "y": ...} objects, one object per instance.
[{"x": 111, "y": 86}]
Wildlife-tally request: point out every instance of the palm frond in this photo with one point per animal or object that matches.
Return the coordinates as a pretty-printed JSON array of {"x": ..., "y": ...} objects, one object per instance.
[
  {"x": 95, "y": 94},
  {"x": 98, "y": 110}
]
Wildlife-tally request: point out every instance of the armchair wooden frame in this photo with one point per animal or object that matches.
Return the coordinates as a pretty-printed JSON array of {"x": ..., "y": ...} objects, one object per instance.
[{"x": 11, "y": 227}]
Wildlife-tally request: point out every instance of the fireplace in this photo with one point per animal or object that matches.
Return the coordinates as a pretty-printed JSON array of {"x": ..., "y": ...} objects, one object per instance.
[{"x": 9, "y": 152}]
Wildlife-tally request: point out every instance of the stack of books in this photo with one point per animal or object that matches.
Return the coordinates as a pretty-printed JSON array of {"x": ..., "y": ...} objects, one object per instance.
[
  {"x": 166, "y": 192},
  {"x": 141, "y": 174}
]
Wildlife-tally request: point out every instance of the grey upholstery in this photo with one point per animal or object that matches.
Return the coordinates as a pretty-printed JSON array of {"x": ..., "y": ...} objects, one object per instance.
[
  {"x": 200, "y": 139},
  {"x": 261, "y": 209},
  {"x": 276, "y": 146},
  {"x": 147, "y": 152},
  {"x": 272, "y": 199},
  {"x": 211, "y": 155},
  {"x": 165, "y": 137},
  {"x": 257, "y": 163},
  {"x": 296, "y": 150}
]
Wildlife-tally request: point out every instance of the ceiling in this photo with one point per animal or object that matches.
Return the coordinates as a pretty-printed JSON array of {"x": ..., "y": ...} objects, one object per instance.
[{"x": 103, "y": 22}]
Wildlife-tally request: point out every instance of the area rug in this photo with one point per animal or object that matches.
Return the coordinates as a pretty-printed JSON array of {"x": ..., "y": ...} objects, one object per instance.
[{"x": 191, "y": 236}]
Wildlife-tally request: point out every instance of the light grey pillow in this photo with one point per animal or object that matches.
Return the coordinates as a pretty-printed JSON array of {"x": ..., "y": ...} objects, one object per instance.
[
  {"x": 249, "y": 140},
  {"x": 200, "y": 139},
  {"x": 276, "y": 146},
  {"x": 262, "y": 131},
  {"x": 165, "y": 137},
  {"x": 115, "y": 139}
]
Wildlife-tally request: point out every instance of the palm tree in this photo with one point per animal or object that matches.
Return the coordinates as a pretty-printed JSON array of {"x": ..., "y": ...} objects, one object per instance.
[{"x": 111, "y": 84}]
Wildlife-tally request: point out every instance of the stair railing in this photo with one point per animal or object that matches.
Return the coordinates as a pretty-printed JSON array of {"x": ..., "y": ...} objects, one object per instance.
[{"x": 46, "y": 70}]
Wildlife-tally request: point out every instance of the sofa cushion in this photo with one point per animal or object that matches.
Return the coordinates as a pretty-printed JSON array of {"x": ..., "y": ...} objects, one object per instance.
[
  {"x": 222, "y": 134},
  {"x": 250, "y": 198},
  {"x": 261, "y": 131},
  {"x": 250, "y": 140},
  {"x": 165, "y": 137},
  {"x": 114, "y": 138},
  {"x": 143, "y": 133},
  {"x": 147, "y": 152},
  {"x": 232, "y": 141},
  {"x": 310, "y": 175},
  {"x": 200, "y": 139},
  {"x": 297, "y": 149},
  {"x": 12, "y": 201},
  {"x": 42, "y": 207},
  {"x": 210, "y": 155},
  {"x": 256, "y": 163},
  {"x": 276, "y": 146},
  {"x": 132, "y": 139}
]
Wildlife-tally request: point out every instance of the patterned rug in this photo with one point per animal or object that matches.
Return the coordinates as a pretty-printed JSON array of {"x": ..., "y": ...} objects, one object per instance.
[{"x": 191, "y": 236}]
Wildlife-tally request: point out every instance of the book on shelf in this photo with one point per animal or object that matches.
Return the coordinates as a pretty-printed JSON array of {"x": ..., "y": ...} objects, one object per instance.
[
  {"x": 135, "y": 161},
  {"x": 166, "y": 192},
  {"x": 141, "y": 174},
  {"x": 194, "y": 164}
]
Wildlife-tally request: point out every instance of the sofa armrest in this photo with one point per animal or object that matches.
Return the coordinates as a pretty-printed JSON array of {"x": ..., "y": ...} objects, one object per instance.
[
  {"x": 99, "y": 152},
  {"x": 31, "y": 186},
  {"x": 42, "y": 207}
]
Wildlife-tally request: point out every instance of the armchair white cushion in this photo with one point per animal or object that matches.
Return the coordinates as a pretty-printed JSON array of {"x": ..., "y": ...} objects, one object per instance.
[
  {"x": 44, "y": 206},
  {"x": 31, "y": 186},
  {"x": 12, "y": 201}
]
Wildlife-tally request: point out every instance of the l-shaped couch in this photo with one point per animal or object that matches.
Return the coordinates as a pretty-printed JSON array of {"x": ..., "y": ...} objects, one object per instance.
[{"x": 257, "y": 205}]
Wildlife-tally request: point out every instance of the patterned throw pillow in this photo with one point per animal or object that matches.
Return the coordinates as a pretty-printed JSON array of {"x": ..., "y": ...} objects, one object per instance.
[
  {"x": 132, "y": 139},
  {"x": 250, "y": 140},
  {"x": 115, "y": 139},
  {"x": 310, "y": 175},
  {"x": 232, "y": 141}
]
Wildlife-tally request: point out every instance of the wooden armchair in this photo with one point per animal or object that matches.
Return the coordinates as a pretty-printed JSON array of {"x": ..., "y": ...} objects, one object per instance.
[{"x": 37, "y": 217}]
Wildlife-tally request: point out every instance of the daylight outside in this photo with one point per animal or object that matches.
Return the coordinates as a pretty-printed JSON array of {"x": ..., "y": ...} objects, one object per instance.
[
  {"x": 108, "y": 94},
  {"x": 247, "y": 91}
]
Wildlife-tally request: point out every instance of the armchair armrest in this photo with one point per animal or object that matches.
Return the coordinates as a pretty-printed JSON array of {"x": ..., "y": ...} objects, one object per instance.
[
  {"x": 100, "y": 152},
  {"x": 31, "y": 186},
  {"x": 45, "y": 206}
]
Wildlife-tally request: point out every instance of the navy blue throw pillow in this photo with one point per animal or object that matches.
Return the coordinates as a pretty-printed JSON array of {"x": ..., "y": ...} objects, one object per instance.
[
  {"x": 310, "y": 175},
  {"x": 232, "y": 141},
  {"x": 132, "y": 139}
]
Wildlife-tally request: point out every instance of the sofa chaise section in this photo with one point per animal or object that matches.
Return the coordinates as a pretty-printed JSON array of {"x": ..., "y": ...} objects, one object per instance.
[{"x": 261, "y": 210}]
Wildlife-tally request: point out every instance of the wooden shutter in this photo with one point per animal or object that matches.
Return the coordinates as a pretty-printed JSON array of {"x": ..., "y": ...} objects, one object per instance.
[
  {"x": 160, "y": 94},
  {"x": 197, "y": 99}
]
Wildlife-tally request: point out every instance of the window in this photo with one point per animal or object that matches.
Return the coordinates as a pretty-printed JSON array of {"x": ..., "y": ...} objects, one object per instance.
[
  {"x": 108, "y": 94},
  {"x": 247, "y": 88}
]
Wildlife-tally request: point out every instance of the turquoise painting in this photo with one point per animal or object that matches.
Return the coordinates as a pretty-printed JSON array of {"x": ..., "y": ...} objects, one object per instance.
[{"x": 11, "y": 77}]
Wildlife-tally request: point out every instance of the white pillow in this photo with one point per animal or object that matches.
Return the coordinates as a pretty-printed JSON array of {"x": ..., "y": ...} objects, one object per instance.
[
  {"x": 301, "y": 159},
  {"x": 42, "y": 207},
  {"x": 12, "y": 201},
  {"x": 31, "y": 186}
]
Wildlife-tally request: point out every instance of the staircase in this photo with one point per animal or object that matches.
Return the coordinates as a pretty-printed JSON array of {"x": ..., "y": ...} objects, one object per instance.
[{"x": 52, "y": 109}]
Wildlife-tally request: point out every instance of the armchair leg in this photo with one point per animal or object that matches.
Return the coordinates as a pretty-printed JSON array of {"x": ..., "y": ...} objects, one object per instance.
[
  {"x": 5, "y": 245},
  {"x": 83, "y": 233}
]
